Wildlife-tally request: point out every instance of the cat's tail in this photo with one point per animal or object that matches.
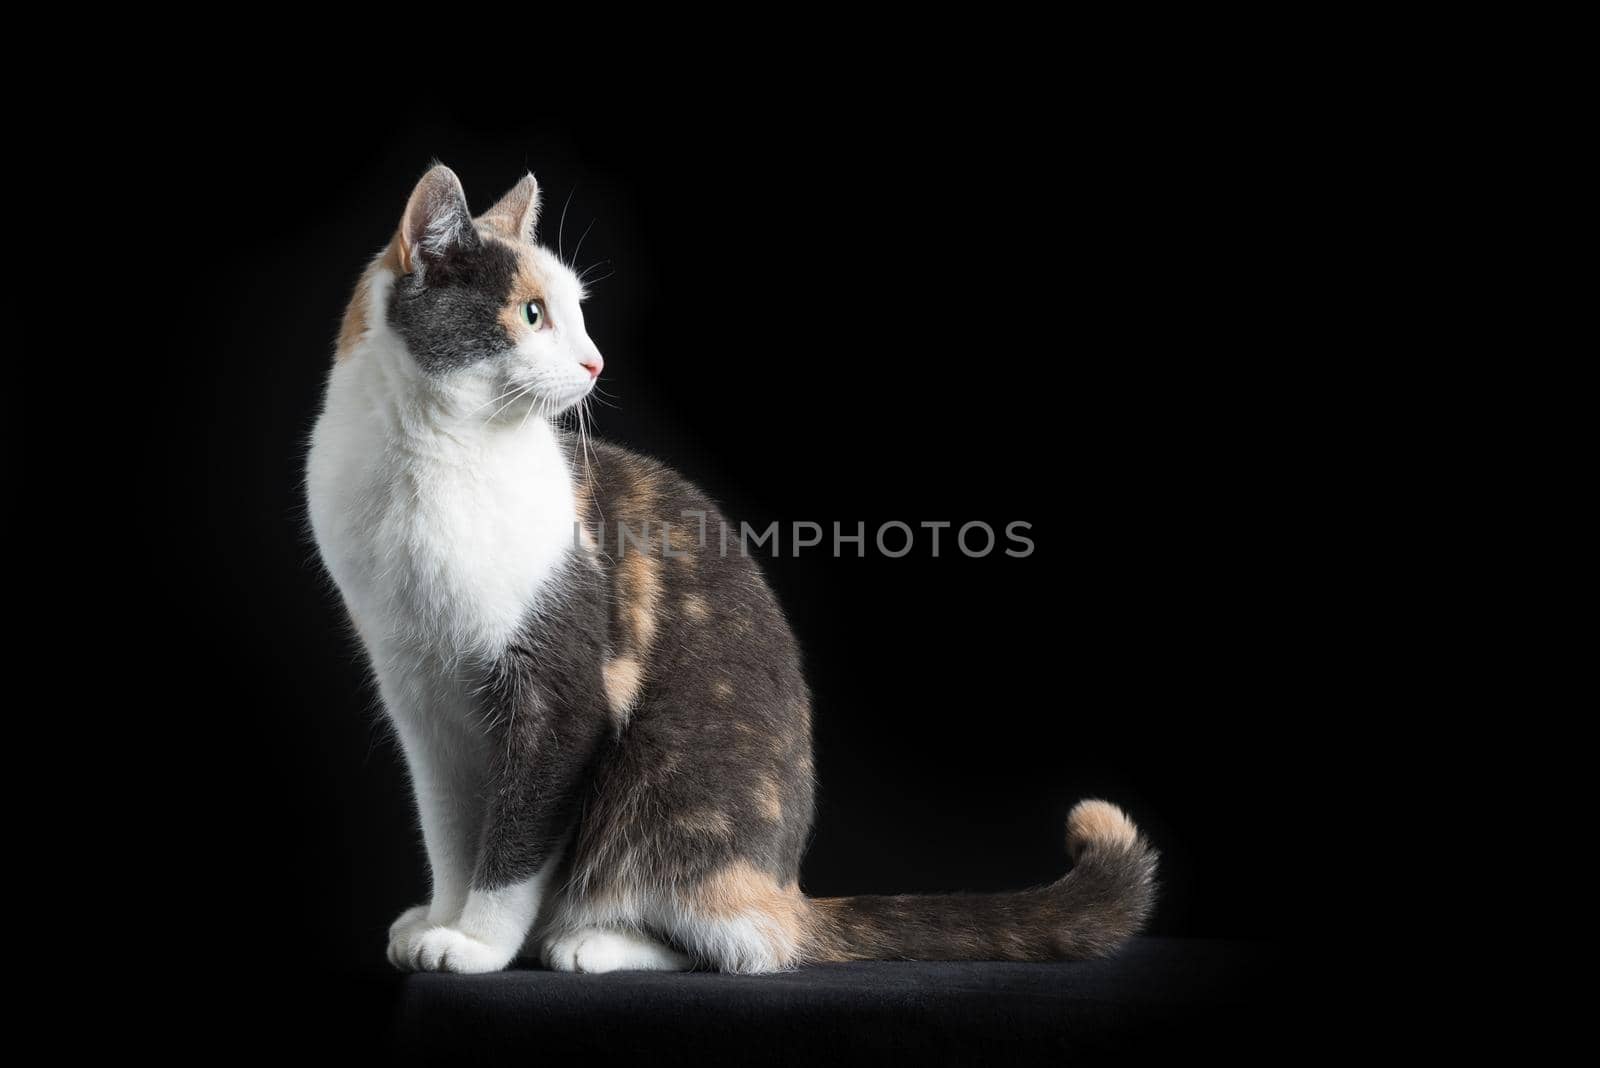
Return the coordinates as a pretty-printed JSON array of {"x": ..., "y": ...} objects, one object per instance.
[{"x": 1102, "y": 902}]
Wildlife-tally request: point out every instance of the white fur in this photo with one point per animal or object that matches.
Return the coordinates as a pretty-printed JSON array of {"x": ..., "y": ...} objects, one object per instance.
[
  {"x": 484, "y": 936},
  {"x": 610, "y": 949},
  {"x": 442, "y": 515},
  {"x": 743, "y": 944},
  {"x": 439, "y": 522}
]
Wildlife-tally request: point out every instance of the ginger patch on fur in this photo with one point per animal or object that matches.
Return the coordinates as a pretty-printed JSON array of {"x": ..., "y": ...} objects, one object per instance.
[
  {"x": 707, "y": 822},
  {"x": 641, "y": 597},
  {"x": 695, "y": 608},
  {"x": 1099, "y": 823},
  {"x": 769, "y": 799},
  {"x": 357, "y": 320},
  {"x": 741, "y": 890},
  {"x": 623, "y": 678},
  {"x": 528, "y": 284}
]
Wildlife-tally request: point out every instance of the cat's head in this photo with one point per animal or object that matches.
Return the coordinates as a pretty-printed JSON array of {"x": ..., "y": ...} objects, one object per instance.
[{"x": 485, "y": 314}]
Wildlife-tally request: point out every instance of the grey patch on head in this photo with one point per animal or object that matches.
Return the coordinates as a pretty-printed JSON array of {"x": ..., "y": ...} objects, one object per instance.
[{"x": 449, "y": 312}]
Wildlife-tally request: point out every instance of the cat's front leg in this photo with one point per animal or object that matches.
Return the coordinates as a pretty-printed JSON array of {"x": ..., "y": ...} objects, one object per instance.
[
  {"x": 403, "y": 931},
  {"x": 448, "y": 763},
  {"x": 544, "y": 763},
  {"x": 488, "y": 934},
  {"x": 524, "y": 827}
]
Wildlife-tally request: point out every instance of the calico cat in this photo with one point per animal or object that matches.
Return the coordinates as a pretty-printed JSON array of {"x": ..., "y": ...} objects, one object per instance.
[{"x": 603, "y": 714}]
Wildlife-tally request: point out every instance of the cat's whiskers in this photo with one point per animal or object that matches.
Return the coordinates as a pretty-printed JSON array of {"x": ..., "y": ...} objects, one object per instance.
[
  {"x": 583, "y": 275},
  {"x": 584, "y": 414},
  {"x": 583, "y": 443},
  {"x": 536, "y": 406},
  {"x": 491, "y": 400},
  {"x": 579, "y": 249},
  {"x": 521, "y": 392},
  {"x": 561, "y": 227}
]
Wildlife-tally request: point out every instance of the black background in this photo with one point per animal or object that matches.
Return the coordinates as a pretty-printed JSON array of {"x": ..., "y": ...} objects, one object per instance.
[{"x": 880, "y": 314}]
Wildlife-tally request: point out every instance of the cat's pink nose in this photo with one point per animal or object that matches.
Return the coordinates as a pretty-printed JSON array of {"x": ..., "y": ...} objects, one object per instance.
[{"x": 593, "y": 363}]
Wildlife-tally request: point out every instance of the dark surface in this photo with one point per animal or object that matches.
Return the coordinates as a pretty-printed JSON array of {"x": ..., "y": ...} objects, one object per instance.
[{"x": 1158, "y": 995}]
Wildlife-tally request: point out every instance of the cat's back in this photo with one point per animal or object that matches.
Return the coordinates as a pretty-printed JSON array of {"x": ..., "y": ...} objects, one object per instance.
[
  {"x": 635, "y": 506},
  {"x": 704, "y": 674},
  {"x": 691, "y": 611}
]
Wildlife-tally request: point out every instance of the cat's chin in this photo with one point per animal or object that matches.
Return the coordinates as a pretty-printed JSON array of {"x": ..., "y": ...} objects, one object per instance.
[{"x": 561, "y": 404}]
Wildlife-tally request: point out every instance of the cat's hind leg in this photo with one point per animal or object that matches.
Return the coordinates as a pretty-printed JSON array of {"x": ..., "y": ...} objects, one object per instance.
[{"x": 611, "y": 949}]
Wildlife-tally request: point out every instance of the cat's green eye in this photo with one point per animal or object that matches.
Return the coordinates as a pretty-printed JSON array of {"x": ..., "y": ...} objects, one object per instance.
[{"x": 533, "y": 314}]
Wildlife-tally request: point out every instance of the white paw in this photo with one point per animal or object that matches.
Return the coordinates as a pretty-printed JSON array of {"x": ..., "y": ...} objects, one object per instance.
[
  {"x": 603, "y": 949},
  {"x": 412, "y": 922},
  {"x": 445, "y": 949}
]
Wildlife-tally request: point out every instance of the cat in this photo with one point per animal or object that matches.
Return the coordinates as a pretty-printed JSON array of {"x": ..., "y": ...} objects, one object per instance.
[{"x": 609, "y": 737}]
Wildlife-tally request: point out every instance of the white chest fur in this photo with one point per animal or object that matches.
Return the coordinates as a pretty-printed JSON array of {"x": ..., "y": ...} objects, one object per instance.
[{"x": 441, "y": 531}]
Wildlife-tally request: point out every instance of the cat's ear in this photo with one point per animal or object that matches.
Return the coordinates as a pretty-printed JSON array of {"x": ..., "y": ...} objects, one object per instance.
[
  {"x": 437, "y": 223},
  {"x": 517, "y": 213}
]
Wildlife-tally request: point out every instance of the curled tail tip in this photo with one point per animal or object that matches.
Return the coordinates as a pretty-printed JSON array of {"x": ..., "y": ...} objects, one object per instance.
[
  {"x": 1100, "y": 824},
  {"x": 1112, "y": 882}
]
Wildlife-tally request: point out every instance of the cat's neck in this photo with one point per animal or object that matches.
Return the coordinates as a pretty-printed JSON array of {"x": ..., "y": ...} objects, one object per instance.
[
  {"x": 438, "y": 422},
  {"x": 449, "y": 430},
  {"x": 471, "y": 517}
]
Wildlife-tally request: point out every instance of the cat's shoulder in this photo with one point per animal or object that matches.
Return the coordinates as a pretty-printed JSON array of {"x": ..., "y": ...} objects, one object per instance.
[{"x": 614, "y": 471}]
